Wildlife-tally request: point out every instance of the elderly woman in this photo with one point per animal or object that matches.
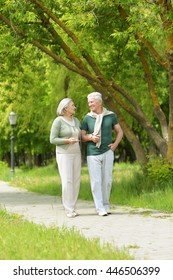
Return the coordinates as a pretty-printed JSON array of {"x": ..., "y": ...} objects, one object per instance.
[{"x": 65, "y": 134}]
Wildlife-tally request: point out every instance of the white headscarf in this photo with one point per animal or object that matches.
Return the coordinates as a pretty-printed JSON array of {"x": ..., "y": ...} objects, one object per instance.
[{"x": 63, "y": 104}]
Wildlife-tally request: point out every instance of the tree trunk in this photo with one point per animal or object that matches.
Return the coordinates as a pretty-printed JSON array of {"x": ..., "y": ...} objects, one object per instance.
[
  {"x": 170, "y": 127},
  {"x": 166, "y": 16}
]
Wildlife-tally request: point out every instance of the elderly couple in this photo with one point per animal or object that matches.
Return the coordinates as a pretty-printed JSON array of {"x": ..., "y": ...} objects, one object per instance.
[{"x": 96, "y": 131}]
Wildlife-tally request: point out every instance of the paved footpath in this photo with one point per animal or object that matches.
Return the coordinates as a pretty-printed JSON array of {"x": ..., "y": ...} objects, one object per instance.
[{"x": 148, "y": 234}]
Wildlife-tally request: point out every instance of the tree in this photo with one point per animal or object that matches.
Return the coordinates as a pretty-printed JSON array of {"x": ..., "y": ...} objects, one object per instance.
[{"x": 50, "y": 27}]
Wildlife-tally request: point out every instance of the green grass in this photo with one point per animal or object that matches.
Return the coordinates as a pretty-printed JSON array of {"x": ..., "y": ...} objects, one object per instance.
[
  {"x": 130, "y": 186},
  {"x": 22, "y": 240},
  {"x": 46, "y": 180}
]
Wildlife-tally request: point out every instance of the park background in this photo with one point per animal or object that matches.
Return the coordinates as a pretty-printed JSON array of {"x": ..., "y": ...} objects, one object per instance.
[{"x": 55, "y": 49}]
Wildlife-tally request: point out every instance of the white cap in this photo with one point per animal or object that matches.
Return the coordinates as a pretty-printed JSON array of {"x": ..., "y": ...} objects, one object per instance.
[
  {"x": 95, "y": 95},
  {"x": 64, "y": 103}
]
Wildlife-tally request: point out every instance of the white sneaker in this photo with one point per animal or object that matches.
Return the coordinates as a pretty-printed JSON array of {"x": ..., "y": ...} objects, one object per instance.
[
  {"x": 102, "y": 213},
  {"x": 75, "y": 214},
  {"x": 71, "y": 214}
]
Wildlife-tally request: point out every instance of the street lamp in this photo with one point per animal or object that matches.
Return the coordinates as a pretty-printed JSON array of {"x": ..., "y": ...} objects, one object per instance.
[{"x": 12, "y": 121}]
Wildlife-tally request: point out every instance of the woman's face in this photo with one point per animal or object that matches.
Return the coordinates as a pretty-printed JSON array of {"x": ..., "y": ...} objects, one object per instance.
[{"x": 71, "y": 109}]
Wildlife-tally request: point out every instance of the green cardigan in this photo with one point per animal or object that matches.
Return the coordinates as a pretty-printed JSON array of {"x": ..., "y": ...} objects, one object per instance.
[{"x": 61, "y": 130}]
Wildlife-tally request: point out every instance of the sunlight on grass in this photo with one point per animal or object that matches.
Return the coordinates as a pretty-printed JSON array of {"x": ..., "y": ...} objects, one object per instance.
[
  {"x": 161, "y": 200},
  {"x": 22, "y": 240}
]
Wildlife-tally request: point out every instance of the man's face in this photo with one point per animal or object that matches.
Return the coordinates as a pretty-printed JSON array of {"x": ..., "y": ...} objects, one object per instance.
[{"x": 94, "y": 104}]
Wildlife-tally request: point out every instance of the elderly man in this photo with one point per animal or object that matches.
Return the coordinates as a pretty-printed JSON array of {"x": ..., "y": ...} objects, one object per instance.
[{"x": 97, "y": 127}]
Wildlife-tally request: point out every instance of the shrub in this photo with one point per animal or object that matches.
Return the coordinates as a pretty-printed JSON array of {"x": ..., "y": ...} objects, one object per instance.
[
  {"x": 3, "y": 165},
  {"x": 159, "y": 171},
  {"x": 4, "y": 171}
]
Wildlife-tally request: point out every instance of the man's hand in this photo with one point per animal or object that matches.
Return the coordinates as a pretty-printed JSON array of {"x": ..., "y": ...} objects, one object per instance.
[
  {"x": 112, "y": 146},
  {"x": 95, "y": 138}
]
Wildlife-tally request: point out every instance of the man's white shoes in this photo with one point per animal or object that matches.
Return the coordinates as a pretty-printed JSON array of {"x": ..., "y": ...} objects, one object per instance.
[{"x": 102, "y": 213}]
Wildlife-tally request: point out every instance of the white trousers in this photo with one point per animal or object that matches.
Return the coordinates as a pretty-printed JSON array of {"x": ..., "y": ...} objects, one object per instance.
[
  {"x": 100, "y": 170},
  {"x": 69, "y": 166}
]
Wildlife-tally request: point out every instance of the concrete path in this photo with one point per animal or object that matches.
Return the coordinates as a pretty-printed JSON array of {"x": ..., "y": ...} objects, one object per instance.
[{"x": 148, "y": 234}]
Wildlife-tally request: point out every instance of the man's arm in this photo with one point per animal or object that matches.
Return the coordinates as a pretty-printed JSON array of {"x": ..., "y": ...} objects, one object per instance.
[
  {"x": 119, "y": 131},
  {"x": 89, "y": 137}
]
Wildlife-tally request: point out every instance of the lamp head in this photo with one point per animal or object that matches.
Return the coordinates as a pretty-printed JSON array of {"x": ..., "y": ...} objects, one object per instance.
[{"x": 12, "y": 118}]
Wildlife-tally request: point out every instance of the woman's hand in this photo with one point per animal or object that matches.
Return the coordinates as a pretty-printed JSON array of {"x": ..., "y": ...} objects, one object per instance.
[{"x": 72, "y": 140}]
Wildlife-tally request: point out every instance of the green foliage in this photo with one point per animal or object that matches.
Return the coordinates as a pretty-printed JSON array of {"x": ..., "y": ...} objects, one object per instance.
[
  {"x": 4, "y": 171},
  {"x": 32, "y": 86},
  {"x": 159, "y": 171},
  {"x": 24, "y": 90},
  {"x": 3, "y": 165}
]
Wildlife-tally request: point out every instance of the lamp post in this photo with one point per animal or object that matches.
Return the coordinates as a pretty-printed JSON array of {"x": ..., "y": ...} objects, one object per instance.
[{"x": 12, "y": 121}]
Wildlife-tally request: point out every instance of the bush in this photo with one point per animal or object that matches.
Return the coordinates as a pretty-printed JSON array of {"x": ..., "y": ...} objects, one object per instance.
[
  {"x": 4, "y": 171},
  {"x": 159, "y": 171},
  {"x": 3, "y": 165}
]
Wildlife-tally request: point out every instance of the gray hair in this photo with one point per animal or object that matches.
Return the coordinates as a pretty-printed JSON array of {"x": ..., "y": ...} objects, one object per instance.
[
  {"x": 62, "y": 105},
  {"x": 95, "y": 95}
]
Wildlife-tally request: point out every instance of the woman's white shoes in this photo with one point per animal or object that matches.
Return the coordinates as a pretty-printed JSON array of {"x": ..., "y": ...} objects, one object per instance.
[{"x": 72, "y": 214}]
